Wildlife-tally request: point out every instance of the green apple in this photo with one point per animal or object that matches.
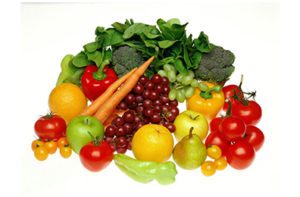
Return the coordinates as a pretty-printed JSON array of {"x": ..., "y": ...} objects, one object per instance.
[
  {"x": 187, "y": 119},
  {"x": 81, "y": 131}
]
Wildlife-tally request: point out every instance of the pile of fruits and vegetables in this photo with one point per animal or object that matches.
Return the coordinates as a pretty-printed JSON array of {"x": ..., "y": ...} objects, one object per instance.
[{"x": 121, "y": 94}]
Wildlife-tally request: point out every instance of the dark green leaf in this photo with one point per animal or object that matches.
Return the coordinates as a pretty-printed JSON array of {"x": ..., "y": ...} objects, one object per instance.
[
  {"x": 166, "y": 43},
  {"x": 95, "y": 57},
  {"x": 196, "y": 59},
  {"x": 112, "y": 37},
  {"x": 99, "y": 30},
  {"x": 119, "y": 27},
  {"x": 202, "y": 43},
  {"x": 186, "y": 58},
  {"x": 81, "y": 60},
  {"x": 107, "y": 57},
  {"x": 167, "y": 60},
  {"x": 180, "y": 67},
  {"x": 91, "y": 47}
]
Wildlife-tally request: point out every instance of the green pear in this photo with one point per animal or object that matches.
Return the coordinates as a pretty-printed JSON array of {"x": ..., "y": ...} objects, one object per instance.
[{"x": 189, "y": 153}]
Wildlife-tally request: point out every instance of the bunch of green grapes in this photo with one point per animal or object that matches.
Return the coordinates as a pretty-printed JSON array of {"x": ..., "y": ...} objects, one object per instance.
[{"x": 182, "y": 85}]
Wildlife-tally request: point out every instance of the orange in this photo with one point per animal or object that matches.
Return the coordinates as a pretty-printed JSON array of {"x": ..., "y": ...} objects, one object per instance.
[
  {"x": 152, "y": 142},
  {"x": 67, "y": 100}
]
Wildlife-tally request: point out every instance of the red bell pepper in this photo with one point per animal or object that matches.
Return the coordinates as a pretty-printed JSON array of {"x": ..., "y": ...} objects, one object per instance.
[{"x": 95, "y": 81}]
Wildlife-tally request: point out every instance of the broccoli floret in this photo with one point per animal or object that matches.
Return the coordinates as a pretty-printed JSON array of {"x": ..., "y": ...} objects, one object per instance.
[
  {"x": 216, "y": 66},
  {"x": 125, "y": 58}
]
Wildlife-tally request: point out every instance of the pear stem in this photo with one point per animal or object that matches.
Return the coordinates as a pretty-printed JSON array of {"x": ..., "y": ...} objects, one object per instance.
[{"x": 191, "y": 132}]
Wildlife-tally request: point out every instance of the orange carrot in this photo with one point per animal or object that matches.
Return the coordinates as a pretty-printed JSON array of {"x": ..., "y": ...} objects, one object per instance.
[
  {"x": 108, "y": 107},
  {"x": 92, "y": 108}
]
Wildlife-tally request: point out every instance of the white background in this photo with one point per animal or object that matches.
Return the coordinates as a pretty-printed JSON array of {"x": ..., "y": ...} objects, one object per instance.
[{"x": 49, "y": 31}]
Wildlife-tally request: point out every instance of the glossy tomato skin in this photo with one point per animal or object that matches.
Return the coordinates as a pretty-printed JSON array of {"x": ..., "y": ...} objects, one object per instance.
[
  {"x": 50, "y": 127},
  {"x": 229, "y": 92},
  {"x": 96, "y": 157},
  {"x": 250, "y": 113},
  {"x": 214, "y": 124},
  {"x": 217, "y": 138},
  {"x": 254, "y": 136},
  {"x": 240, "y": 155},
  {"x": 233, "y": 128}
]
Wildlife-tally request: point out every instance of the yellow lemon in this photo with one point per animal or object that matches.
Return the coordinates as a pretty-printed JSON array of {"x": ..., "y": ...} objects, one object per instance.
[
  {"x": 152, "y": 142},
  {"x": 67, "y": 100}
]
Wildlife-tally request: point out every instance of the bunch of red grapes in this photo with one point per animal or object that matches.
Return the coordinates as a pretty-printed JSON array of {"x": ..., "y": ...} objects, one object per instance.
[{"x": 148, "y": 102}]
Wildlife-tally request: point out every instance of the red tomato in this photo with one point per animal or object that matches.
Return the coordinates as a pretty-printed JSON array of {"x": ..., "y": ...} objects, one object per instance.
[
  {"x": 229, "y": 92},
  {"x": 214, "y": 124},
  {"x": 217, "y": 138},
  {"x": 254, "y": 136},
  {"x": 50, "y": 127},
  {"x": 240, "y": 155},
  {"x": 233, "y": 128},
  {"x": 96, "y": 157},
  {"x": 250, "y": 113}
]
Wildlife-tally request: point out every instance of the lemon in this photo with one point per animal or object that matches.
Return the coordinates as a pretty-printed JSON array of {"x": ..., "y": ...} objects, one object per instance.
[
  {"x": 152, "y": 142},
  {"x": 67, "y": 100}
]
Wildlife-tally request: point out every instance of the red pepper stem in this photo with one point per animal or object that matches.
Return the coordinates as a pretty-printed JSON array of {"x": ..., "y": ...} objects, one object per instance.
[{"x": 100, "y": 75}]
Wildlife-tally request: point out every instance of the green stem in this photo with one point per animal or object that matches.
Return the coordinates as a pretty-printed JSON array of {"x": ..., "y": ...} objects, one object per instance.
[
  {"x": 207, "y": 94},
  {"x": 100, "y": 75},
  {"x": 228, "y": 112}
]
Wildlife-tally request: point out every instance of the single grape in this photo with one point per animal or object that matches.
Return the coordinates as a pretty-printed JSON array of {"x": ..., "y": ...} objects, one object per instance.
[
  {"x": 158, "y": 102},
  {"x": 168, "y": 67},
  {"x": 138, "y": 89},
  {"x": 130, "y": 98},
  {"x": 179, "y": 77},
  {"x": 120, "y": 132},
  {"x": 121, "y": 142},
  {"x": 133, "y": 105},
  {"x": 174, "y": 110},
  {"x": 191, "y": 74},
  {"x": 180, "y": 96},
  {"x": 171, "y": 127},
  {"x": 146, "y": 94},
  {"x": 149, "y": 85},
  {"x": 156, "y": 79},
  {"x": 128, "y": 128},
  {"x": 165, "y": 81},
  {"x": 166, "y": 89},
  {"x": 162, "y": 73},
  {"x": 137, "y": 119},
  {"x": 110, "y": 131},
  {"x": 147, "y": 103},
  {"x": 174, "y": 103},
  {"x": 139, "y": 125},
  {"x": 158, "y": 88},
  {"x": 171, "y": 76},
  {"x": 164, "y": 109},
  {"x": 189, "y": 91},
  {"x": 139, "y": 98},
  {"x": 157, "y": 108},
  {"x": 187, "y": 80},
  {"x": 172, "y": 94},
  {"x": 170, "y": 117},
  {"x": 154, "y": 95},
  {"x": 139, "y": 109},
  {"x": 121, "y": 150},
  {"x": 109, "y": 139},
  {"x": 165, "y": 99},
  {"x": 118, "y": 121},
  {"x": 143, "y": 80},
  {"x": 155, "y": 118},
  {"x": 148, "y": 112},
  {"x": 123, "y": 105},
  {"x": 128, "y": 116}
]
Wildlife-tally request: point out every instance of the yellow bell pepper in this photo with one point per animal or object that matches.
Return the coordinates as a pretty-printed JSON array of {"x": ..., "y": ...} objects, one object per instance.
[{"x": 207, "y": 101}]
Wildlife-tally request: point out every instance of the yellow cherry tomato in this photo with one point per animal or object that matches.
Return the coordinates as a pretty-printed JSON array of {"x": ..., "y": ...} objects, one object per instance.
[
  {"x": 208, "y": 103},
  {"x": 41, "y": 153},
  {"x": 62, "y": 142},
  {"x": 214, "y": 152},
  {"x": 208, "y": 168},
  {"x": 51, "y": 147},
  {"x": 36, "y": 143},
  {"x": 220, "y": 163},
  {"x": 65, "y": 151}
]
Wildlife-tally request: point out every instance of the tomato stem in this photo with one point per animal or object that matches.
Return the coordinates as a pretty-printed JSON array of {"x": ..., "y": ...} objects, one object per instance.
[{"x": 228, "y": 112}]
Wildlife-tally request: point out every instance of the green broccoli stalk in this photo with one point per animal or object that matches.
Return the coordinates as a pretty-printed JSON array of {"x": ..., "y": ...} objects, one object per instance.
[
  {"x": 125, "y": 58},
  {"x": 216, "y": 66}
]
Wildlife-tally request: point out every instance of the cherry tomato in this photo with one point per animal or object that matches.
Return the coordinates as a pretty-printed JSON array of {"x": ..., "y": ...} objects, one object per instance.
[
  {"x": 41, "y": 153},
  {"x": 50, "y": 127},
  {"x": 217, "y": 138},
  {"x": 254, "y": 136},
  {"x": 96, "y": 157},
  {"x": 208, "y": 168},
  {"x": 233, "y": 127},
  {"x": 229, "y": 92},
  {"x": 240, "y": 155},
  {"x": 65, "y": 151},
  {"x": 36, "y": 143},
  {"x": 214, "y": 152},
  {"x": 63, "y": 141},
  {"x": 214, "y": 124},
  {"x": 221, "y": 163},
  {"x": 51, "y": 147},
  {"x": 250, "y": 113}
]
